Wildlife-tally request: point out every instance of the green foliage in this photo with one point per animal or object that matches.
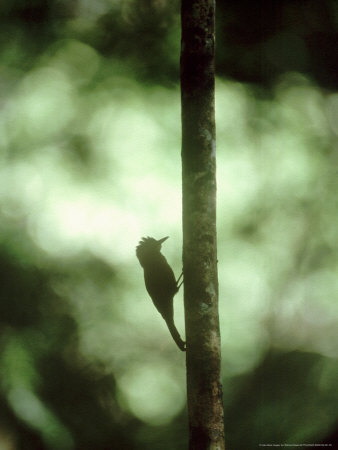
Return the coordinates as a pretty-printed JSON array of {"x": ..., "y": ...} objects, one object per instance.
[{"x": 89, "y": 163}]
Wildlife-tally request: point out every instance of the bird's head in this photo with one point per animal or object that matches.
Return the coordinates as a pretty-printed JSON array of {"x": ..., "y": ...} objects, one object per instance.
[
  {"x": 149, "y": 246},
  {"x": 151, "y": 243}
]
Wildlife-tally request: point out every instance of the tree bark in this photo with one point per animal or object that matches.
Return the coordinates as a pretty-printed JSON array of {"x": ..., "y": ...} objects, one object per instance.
[{"x": 204, "y": 389}]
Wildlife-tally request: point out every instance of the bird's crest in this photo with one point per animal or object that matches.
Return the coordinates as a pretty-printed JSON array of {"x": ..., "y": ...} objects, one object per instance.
[{"x": 150, "y": 244}]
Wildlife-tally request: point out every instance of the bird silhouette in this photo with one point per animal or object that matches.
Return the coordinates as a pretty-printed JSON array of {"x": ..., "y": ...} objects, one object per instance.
[{"x": 160, "y": 282}]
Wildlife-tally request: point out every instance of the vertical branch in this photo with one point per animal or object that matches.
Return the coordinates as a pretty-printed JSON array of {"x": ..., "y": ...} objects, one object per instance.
[{"x": 199, "y": 225}]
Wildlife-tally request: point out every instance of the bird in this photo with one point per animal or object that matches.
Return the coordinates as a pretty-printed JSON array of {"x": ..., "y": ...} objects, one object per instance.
[{"x": 160, "y": 282}]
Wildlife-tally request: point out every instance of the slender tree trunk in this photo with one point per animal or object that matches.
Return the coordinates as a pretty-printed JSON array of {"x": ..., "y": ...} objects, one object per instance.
[{"x": 199, "y": 226}]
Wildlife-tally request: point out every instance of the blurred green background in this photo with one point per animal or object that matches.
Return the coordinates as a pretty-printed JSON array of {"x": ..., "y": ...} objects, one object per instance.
[{"x": 90, "y": 163}]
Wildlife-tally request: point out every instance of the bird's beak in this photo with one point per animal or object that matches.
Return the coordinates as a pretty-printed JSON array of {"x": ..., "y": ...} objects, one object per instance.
[{"x": 160, "y": 241}]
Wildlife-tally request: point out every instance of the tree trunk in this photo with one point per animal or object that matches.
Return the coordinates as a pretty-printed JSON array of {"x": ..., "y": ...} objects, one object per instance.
[{"x": 204, "y": 388}]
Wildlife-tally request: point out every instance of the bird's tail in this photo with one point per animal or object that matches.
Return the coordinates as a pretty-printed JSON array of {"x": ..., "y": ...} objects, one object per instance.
[{"x": 176, "y": 335}]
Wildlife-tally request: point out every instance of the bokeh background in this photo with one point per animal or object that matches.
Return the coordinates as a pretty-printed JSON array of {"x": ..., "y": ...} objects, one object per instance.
[{"x": 90, "y": 163}]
